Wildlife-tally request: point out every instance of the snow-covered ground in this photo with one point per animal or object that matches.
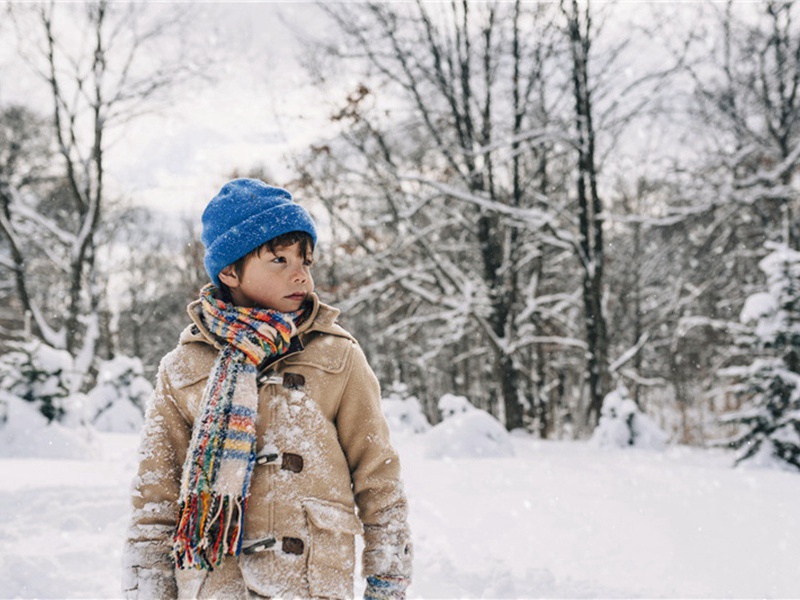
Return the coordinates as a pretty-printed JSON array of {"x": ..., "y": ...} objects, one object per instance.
[{"x": 557, "y": 519}]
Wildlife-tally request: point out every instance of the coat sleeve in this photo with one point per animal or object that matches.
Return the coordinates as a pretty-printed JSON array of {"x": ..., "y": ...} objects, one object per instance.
[
  {"x": 375, "y": 471},
  {"x": 148, "y": 567}
]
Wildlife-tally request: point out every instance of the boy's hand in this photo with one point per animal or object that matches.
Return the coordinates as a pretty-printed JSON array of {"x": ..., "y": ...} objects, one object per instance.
[{"x": 386, "y": 587}]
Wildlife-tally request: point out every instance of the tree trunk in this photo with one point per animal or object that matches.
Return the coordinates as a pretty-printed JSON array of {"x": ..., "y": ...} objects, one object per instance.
[{"x": 590, "y": 213}]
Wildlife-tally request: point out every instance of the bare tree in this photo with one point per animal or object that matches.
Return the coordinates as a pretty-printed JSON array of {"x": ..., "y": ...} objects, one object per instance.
[
  {"x": 456, "y": 193},
  {"x": 590, "y": 207},
  {"x": 733, "y": 188},
  {"x": 157, "y": 282},
  {"x": 471, "y": 150},
  {"x": 25, "y": 153},
  {"x": 95, "y": 60}
]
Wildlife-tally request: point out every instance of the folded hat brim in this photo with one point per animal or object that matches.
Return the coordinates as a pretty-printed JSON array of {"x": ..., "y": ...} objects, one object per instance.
[{"x": 251, "y": 233}]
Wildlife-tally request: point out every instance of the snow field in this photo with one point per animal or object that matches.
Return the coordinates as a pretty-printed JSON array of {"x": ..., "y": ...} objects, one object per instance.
[
  {"x": 64, "y": 522},
  {"x": 556, "y": 520},
  {"x": 567, "y": 520}
]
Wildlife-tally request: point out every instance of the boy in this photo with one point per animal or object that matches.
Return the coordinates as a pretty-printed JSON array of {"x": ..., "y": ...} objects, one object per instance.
[{"x": 265, "y": 431}]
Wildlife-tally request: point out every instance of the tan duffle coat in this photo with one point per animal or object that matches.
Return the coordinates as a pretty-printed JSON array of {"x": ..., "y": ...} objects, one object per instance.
[{"x": 323, "y": 450}]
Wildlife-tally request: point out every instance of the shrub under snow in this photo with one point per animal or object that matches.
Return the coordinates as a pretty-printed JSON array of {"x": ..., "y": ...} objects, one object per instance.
[
  {"x": 41, "y": 414},
  {"x": 450, "y": 405},
  {"x": 466, "y": 432},
  {"x": 403, "y": 412},
  {"x": 26, "y": 433},
  {"x": 38, "y": 374},
  {"x": 769, "y": 422},
  {"x": 118, "y": 400},
  {"x": 623, "y": 425}
]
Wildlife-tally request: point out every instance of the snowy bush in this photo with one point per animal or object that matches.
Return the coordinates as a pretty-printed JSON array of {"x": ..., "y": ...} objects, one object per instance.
[
  {"x": 117, "y": 402},
  {"x": 403, "y": 412},
  {"x": 450, "y": 405},
  {"x": 623, "y": 425},
  {"x": 26, "y": 433},
  {"x": 45, "y": 377},
  {"x": 466, "y": 432},
  {"x": 770, "y": 421},
  {"x": 39, "y": 374}
]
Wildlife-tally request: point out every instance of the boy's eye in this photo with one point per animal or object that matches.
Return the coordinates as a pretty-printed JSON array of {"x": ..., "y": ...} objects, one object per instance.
[
  {"x": 279, "y": 259},
  {"x": 309, "y": 262}
]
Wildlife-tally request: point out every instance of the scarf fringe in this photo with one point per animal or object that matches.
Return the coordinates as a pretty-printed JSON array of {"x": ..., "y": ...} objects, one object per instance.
[{"x": 209, "y": 527}]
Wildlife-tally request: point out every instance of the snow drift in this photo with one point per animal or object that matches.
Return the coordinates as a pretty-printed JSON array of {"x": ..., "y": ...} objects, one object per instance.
[
  {"x": 26, "y": 432},
  {"x": 466, "y": 432},
  {"x": 623, "y": 425}
]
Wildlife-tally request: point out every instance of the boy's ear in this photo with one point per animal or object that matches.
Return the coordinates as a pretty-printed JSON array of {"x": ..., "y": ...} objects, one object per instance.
[{"x": 229, "y": 277}]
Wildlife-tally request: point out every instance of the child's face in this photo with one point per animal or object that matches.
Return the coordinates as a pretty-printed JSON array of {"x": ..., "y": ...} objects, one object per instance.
[{"x": 280, "y": 281}]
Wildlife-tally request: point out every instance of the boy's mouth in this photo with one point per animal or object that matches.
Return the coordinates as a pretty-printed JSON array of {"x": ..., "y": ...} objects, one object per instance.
[{"x": 298, "y": 296}]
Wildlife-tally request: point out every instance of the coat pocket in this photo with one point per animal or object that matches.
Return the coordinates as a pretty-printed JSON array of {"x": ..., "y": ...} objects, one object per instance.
[{"x": 332, "y": 528}]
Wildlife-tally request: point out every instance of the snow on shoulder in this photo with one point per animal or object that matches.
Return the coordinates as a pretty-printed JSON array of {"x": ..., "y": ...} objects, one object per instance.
[
  {"x": 466, "y": 432},
  {"x": 623, "y": 425}
]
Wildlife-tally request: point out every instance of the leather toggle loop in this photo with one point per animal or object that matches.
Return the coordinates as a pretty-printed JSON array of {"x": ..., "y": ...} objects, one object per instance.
[
  {"x": 293, "y": 546},
  {"x": 293, "y": 381},
  {"x": 292, "y": 462}
]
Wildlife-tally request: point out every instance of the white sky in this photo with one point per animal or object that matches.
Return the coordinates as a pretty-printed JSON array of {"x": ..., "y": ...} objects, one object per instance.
[{"x": 258, "y": 109}]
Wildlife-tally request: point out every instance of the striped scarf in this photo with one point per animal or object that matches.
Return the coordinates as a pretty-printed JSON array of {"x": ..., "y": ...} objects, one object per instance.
[{"x": 221, "y": 455}]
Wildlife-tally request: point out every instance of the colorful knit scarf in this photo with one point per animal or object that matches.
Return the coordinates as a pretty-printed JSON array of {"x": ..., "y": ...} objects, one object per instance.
[{"x": 221, "y": 455}]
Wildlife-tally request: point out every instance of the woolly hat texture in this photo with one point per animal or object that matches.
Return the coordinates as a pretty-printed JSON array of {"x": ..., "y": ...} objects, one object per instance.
[{"x": 245, "y": 214}]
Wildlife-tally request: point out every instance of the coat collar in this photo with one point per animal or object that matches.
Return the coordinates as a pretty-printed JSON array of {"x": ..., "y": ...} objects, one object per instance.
[{"x": 322, "y": 318}]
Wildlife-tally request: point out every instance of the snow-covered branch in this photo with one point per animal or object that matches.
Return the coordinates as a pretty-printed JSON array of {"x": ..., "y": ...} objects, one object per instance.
[
  {"x": 530, "y": 216},
  {"x": 686, "y": 324},
  {"x": 24, "y": 211},
  {"x": 629, "y": 353}
]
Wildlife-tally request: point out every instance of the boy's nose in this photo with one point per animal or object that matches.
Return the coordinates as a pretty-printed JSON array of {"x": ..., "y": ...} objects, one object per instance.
[{"x": 300, "y": 274}]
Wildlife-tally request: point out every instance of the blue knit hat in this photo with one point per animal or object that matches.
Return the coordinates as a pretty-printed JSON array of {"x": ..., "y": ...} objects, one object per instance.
[{"x": 245, "y": 214}]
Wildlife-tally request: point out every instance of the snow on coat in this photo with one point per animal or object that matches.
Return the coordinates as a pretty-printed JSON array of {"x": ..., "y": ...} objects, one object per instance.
[{"x": 323, "y": 448}]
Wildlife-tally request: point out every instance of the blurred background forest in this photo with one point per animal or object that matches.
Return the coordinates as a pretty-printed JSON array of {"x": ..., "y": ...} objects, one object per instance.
[{"x": 532, "y": 205}]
